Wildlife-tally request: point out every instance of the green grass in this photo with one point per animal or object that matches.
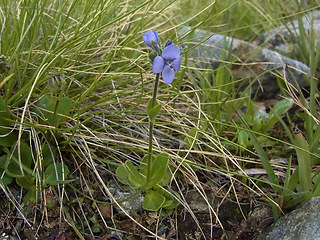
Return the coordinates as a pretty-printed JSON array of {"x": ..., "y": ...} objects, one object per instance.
[{"x": 75, "y": 81}]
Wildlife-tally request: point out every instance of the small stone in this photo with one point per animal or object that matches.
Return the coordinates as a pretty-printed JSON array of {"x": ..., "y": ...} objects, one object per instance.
[
  {"x": 106, "y": 210},
  {"x": 132, "y": 204}
]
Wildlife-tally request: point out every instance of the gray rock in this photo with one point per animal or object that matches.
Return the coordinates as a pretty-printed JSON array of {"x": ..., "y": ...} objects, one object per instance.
[
  {"x": 302, "y": 223},
  {"x": 197, "y": 203},
  {"x": 256, "y": 66},
  {"x": 284, "y": 37},
  {"x": 120, "y": 194}
]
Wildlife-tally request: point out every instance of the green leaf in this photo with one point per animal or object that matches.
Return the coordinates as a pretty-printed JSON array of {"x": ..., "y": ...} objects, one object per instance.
[
  {"x": 279, "y": 108},
  {"x": 316, "y": 178},
  {"x": 171, "y": 201},
  {"x": 5, "y": 119},
  {"x": 243, "y": 138},
  {"x": 293, "y": 199},
  {"x": 165, "y": 180},
  {"x": 64, "y": 108},
  {"x": 48, "y": 154},
  {"x": 143, "y": 165},
  {"x": 265, "y": 163},
  {"x": 135, "y": 177},
  {"x": 264, "y": 159},
  {"x": 46, "y": 106},
  {"x": 316, "y": 192},
  {"x": 165, "y": 212},
  {"x": 54, "y": 110},
  {"x": 26, "y": 181},
  {"x": 30, "y": 196},
  {"x": 56, "y": 174},
  {"x": 153, "y": 111},
  {"x": 257, "y": 124},
  {"x": 288, "y": 177},
  {"x": 158, "y": 169},
  {"x": 167, "y": 203},
  {"x": 250, "y": 110},
  {"x": 6, "y": 138},
  {"x": 153, "y": 201},
  {"x": 13, "y": 168},
  {"x": 122, "y": 174},
  {"x": 294, "y": 179},
  {"x": 25, "y": 153},
  {"x": 304, "y": 162},
  {"x": 6, "y": 180},
  {"x": 143, "y": 169},
  {"x": 3, "y": 160},
  {"x": 96, "y": 229}
]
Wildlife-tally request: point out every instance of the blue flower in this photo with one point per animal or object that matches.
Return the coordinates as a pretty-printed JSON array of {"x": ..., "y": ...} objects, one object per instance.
[
  {"x": 168, "y": 62},
  {"x": 150, "y": 37}
]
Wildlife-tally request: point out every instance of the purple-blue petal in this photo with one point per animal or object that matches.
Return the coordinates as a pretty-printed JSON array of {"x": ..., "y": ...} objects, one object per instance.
[
  {"x": 168, "y": 43},
  {"x": 176, "y": 63},
  {"x": 150, "y": 36},
  {"x": 168, "y": 74},
  {"x": 171, "y": 52},
  {"x": 156, "y": 36},
  {"x": 158, "y": 64}
]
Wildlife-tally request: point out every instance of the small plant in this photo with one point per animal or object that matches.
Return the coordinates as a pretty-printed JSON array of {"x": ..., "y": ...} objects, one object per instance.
[
  {"x": 32, "y": 167},
  {"x": 153, "y": 173},
  {"x": 304, "y": 182},
  {"x": 262, "y": 122},
  {"x": 18, "y": 163}
]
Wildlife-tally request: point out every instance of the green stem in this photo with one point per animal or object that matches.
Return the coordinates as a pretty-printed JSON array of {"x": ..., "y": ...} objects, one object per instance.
[
  {"x": 55, "y": 110},
  {"x": 154, "y": 98}
]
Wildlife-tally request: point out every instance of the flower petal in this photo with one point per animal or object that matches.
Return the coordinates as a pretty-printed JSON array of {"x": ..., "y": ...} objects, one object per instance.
[
  {"x": 158, "y": 64},
  {"x": 171, "y": 52},
  {"x": 168, "y": 43},
  {"x": 176, "y": 63},
  {"x": 150, "y": 36},
  {"x": 156, "y": 36},
  {"x": 168, "y": 74}
]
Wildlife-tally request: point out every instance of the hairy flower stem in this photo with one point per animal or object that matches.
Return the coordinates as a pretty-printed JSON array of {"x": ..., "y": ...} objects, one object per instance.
[{"x": 154, "y": 98}]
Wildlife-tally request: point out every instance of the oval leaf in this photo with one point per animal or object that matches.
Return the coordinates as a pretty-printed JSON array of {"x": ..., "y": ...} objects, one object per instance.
[
  {"x": 25, "y": 182},
  {"x": 56, "y": 174},
  {"x": 122, "y": 175},
  {"x": 153, "y": 201},
  {"x": 158, "y": 169},
  {"x": 278, "y": 109},
  {"x": 153, "y": 111},
  {"x": 136, "y": 179}
]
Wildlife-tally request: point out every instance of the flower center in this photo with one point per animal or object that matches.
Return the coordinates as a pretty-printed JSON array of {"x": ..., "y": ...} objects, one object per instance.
[{"x": 169, "y": 63}]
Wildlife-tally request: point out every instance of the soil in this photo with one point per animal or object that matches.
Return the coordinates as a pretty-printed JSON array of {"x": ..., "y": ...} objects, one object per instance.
[
  {"x": 235, "y": 226},
  {"x": 180, "y": 225}
]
